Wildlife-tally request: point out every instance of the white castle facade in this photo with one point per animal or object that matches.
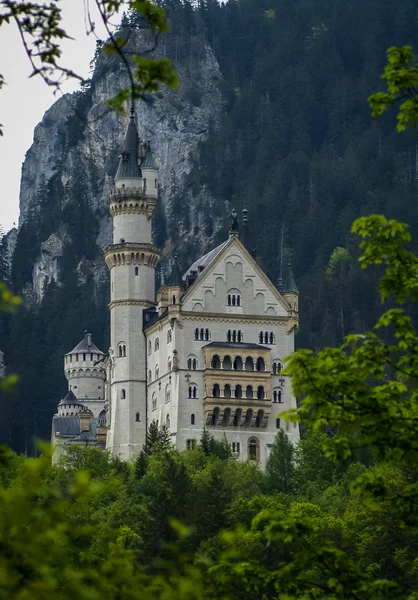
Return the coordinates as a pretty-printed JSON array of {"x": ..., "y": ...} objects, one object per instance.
[{"x": 205, "y": 351}]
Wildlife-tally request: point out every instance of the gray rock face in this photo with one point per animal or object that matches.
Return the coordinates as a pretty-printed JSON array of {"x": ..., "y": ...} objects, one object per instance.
[{"x": 174, "y": 121}]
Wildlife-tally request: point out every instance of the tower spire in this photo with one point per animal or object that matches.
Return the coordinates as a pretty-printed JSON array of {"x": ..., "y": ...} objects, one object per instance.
[
  {"x": 128, "y": 167},
  {"x": 290, "y": 284}
]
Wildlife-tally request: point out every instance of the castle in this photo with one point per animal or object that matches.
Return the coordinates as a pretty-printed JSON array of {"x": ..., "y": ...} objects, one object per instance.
[{"x": 205, "y": 351}]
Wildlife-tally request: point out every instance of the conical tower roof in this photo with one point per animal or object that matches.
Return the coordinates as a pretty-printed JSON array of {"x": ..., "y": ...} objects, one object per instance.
[
  {"x": 290, "y": 284},
  {"x": 70, "y": 398},
  {"x": 128, "y": 167},
  {"x": 175, "y": 275},
  {"x": 149, "y": 160}
]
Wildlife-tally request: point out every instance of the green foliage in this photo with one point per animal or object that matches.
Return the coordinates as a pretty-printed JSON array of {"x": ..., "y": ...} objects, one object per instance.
[
  {"x": 280, "y": 464},
  {"x": 401, "y": 76}
]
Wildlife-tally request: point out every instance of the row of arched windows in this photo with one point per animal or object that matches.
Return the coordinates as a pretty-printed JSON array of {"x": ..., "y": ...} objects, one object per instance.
[
  {"x": 238, "y": 365},
  {"x": 232, "y": 335},
  {"x": 202, "y": 334},
  {"x": 266, "y": 337},
  {"x": 248, "y": 418},
  {"x": 238, "y": 392},
  {"x": 234, "y": 300}
]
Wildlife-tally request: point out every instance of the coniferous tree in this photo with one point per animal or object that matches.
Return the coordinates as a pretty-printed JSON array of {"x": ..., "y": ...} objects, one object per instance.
[{"x": 280, "y": 468}]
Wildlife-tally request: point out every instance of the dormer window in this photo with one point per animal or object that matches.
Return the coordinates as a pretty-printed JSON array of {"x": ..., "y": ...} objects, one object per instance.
[{"x": 125, "y": 156}]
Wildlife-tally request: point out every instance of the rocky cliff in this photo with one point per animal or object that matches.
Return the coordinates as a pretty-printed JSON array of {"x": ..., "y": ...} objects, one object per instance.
[{"x": 80, "y": 134}]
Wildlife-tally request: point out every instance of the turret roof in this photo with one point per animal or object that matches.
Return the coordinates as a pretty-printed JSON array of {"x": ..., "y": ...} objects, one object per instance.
[
  {"x": 290, "y": 284},
  {"x": 149, "y": 160},
  {"x": 70, "y": 398},
  {"x": 86, "y": 345},
  {"x": 175, "y": 276},
  {"x": 128, "y": 162}
]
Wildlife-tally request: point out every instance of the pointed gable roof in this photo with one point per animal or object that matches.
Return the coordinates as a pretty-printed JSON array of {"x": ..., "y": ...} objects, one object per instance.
[{"x": 215, "y": 256}]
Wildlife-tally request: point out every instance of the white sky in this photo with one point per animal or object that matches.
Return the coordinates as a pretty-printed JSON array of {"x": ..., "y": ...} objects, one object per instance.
[{"x": 23, "y": 101}]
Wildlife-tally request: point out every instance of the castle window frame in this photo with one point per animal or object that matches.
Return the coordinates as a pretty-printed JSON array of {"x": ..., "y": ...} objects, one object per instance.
[
  {"x": 253, "y": 448},
  {"x": 121, "y": 350},
  {"x": 154, "y": 401},
  {"x": 123, "y": 394},
  {"x": 136, "y": 271},
  {"x": 167, "y": 393},
  {"x": 277, "y": 396},
  {"x": 276, "y": 367},
  {"x": 192, "y": 419},
  {"x": 157, "y": 372},
  {"x": 137, "y": 417},
  {"x": 169, "y": 336},
  {"x": 190, "y": 444},
  {"x": 156, "y": 344},
  {"x": 149, "y": 347},
  {"x": 149, "y": 375},
  {"x": 192, "y": 391}
]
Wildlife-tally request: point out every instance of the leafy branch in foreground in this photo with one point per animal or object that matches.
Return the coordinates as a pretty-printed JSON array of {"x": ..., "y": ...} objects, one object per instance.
[
  {"x": 41, "y": 32},
  {"x": 401, "y": 76}
]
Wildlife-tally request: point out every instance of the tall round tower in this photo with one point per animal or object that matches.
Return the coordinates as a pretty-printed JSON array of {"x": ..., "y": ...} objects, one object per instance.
[{"x": 132, "y": 259}]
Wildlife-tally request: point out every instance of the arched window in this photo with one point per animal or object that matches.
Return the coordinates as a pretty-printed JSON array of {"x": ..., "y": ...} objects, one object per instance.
[
  {"x": 259, "y": 418},
  {"x": 149, "y": 347},
  {"x": 260, "y": 393},
  {"x": 192, "y": 419},
  {"x": 266, "y": 337},
  {"x": 238, "y": 300},
  {"x": 237, "y": 417},
  {"x": 194, "y": 364},
  {"x": 277, "y": 367},
  {"x": 121, "y": 350},
  {"x": 136, "y": 271},
  {"x": 260, "y": 337},
  {"x": 277, "y": 423},
  {"x": 271, "y": 337},
  {"x": 216, "y": 392},
  {"x": 149, "y": 376},
  {"x": 157, "y": 344},
  {"x": 228, "y": 335},
  {"x": 227, "y": 363},
  {"x": 189, "y": 364},
  {"x": 167, "y": 393},
  {"x": 167, "y": 421},
  {"x": 169, "y": 364},
  {"x": 249, "y": 364},
  {"x": 238, "y": 391},
  {"x": 202, "y": 334},
  {"x": 227, "y": 391},
  {"x": 190, "y": 444},
  {"x": 215, "y": 416},
  {"x": 249, "y": 392},
  {"x": 138, "y": 417},
  {"x": 196, "y": 334},
  {"x": 207, "y": 334},
  {"x": 229, "y": 299},
  {"x": 216, "y": 362},
  {"x": 123, "y": 394},
  {"x": 260, "y": 365},
  {"x": 253, "y": 449},
  {"x": 238, "y": 363},
  {"x": 239, "y": 337},
  {"x": 169, "y": 336},
  {"x": 154, "y": 401},
  {"x": 157, "y": 372},
  {"x": 234, "y": 336},
  {"x": 192, "y": 390},
  {"x": 233, "y": 299}
]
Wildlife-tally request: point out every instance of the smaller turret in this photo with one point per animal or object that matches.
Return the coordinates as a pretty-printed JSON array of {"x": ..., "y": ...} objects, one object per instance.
[
  {"x": 129, "y": 171},
  {"x": 149, "y": 172},
  {"x": 290, "y": 291},
  {"x": 70, "y": 406}
]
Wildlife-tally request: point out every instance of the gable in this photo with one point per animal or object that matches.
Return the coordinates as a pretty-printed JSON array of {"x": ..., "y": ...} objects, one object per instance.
[{"x": 234, "y": 273}]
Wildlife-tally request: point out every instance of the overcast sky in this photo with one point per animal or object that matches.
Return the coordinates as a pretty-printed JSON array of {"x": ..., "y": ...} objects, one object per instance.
[{"x": 23, "y": 101}]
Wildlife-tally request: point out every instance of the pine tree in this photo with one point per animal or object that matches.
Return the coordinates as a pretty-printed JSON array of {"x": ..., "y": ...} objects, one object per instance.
[{"x": 280, "y": 464}]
